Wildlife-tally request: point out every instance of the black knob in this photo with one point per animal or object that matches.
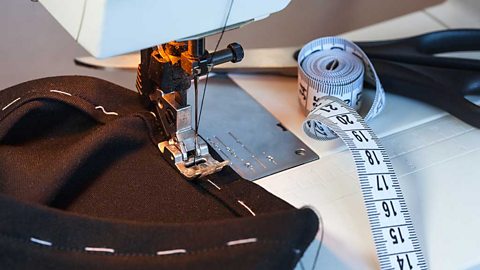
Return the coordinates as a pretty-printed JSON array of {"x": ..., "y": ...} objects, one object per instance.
[{"x": 237, "y": 52}]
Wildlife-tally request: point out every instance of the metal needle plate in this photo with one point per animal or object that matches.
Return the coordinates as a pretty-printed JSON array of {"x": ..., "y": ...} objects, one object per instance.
[{"x": 239, "y": 129}]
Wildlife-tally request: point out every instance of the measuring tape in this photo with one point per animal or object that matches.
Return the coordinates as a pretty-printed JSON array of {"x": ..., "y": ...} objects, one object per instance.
[
  {"x": 331, "y": 74},
  {"x": 333, "y": 66}
]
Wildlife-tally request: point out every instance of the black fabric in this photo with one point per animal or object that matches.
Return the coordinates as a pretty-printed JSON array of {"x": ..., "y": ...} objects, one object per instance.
[{"x": 80, "y": 168}]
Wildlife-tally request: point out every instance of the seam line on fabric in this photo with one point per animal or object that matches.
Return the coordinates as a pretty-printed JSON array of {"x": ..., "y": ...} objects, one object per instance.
[{"x": 71, "y": 249}]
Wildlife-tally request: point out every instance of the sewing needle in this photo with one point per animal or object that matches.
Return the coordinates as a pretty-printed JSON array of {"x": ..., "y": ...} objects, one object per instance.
[{"x": 195, "y": 83}]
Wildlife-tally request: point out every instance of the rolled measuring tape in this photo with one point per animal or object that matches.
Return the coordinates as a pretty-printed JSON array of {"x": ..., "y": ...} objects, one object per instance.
[
  {"x": 331, "y": 75},
  {"x": 333, "y": 66}
]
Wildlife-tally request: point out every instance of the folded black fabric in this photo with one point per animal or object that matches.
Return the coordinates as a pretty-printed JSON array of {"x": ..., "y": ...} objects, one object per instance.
[{"x": 83, "y": 186}]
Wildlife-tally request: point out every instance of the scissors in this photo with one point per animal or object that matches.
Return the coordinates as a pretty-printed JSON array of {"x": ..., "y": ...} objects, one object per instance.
[{"x": 412, "y": 68}]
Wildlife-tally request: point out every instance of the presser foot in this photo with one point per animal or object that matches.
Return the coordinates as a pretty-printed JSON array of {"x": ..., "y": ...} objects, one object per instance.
[{"x": 192, "y": 167}]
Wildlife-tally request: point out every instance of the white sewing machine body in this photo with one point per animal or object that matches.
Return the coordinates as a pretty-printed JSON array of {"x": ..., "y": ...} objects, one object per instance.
[{"x": 113, "y": 27}]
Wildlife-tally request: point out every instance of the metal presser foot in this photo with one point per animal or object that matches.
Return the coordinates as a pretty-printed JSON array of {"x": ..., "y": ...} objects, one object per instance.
[
  {"x": 200, "y": 165},
  {"x": 186, "y": 151},
  {"x": 164, "y": 76}
]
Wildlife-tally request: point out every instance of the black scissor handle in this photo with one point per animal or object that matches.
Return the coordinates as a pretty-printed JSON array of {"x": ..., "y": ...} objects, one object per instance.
[
  {"x": 441, "y": 87},
  {"x": 410, "y": 67},
  {"x": 421, "y": 49}
]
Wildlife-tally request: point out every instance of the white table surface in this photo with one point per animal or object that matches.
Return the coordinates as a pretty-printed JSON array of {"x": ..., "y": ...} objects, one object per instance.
[{"x": 434, "y": 154}]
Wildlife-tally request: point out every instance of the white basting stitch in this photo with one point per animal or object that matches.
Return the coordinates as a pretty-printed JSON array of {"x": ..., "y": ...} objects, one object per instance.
[
  {"x": 213, "y": 184},
  {"x": 61, "y": 92},
  {"x": 248, "y": 208},
  {"x": 99, "y": 249},
  {"x": 105, "y": 112},
  {"x": 10, "y": 104},
  {"x": 170, "y": 252},
  {"x": 242, "y": 241},
  {"x": 41, "y": 242}
]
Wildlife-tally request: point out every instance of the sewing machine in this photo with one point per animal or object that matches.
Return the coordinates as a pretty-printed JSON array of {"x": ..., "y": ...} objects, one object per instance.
[{"x": 107, "y": 28}]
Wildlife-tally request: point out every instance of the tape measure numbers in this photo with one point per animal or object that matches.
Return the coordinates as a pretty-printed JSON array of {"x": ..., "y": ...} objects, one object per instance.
[{"x": 320, "y": 63}]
